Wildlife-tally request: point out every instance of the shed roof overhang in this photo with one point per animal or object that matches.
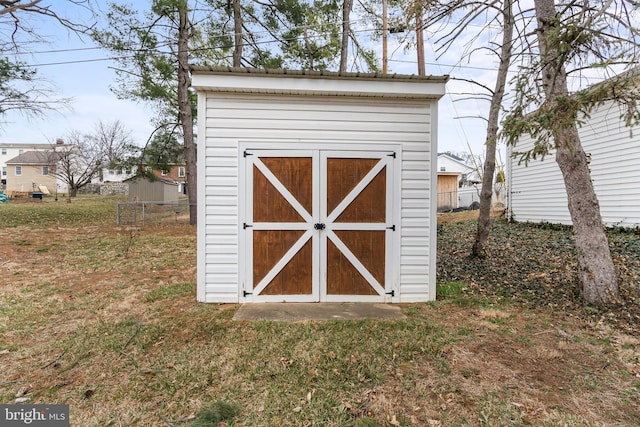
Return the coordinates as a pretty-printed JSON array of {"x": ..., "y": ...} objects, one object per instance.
[{"x": 317, "y": 83}]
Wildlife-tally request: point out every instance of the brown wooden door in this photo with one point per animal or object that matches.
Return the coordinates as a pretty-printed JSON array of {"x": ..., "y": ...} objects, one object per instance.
[{"x": 319, "y": 225}]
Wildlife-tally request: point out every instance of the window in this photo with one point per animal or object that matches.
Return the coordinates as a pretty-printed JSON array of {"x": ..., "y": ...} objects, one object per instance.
[
  {"x": 45, "y": 170},
  {"x": 181, "y": 172},
  {"x": 4, "y": 171},
  {"x": 165, "y": 172},
  {"x": 18, "y": 170},
  {"x": 4, "y": 151},
  {"x": 20, "y": 151},
  {"x": 443, "y": 169}
]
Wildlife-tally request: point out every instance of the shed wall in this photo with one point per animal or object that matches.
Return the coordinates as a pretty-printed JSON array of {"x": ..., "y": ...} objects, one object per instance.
[
  {"x": 142, "y": 190},
  {"x": 537, "y": 191},
  {"x": 447, "y": 191},
  {"x": 231, "y": 120}
]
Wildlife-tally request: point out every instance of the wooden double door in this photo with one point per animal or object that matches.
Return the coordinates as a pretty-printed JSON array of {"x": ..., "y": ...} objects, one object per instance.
[{"x": 318, "y": 225}]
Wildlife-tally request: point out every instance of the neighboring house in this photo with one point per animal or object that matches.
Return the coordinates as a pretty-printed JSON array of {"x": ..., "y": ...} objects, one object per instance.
[
  {"x": 176, "y": 174},
  {"x": 316, "y": 186},
  {"x": 116, "y": 174},
  {"x": 31, "y": 170},
  {"x": 458, "y": 183},
  {"x": 10, "y": 150},
  {"x": 537, "y": 192},
  {"x": 468, "y": 174},
  {"x": 144, "y": 189}
]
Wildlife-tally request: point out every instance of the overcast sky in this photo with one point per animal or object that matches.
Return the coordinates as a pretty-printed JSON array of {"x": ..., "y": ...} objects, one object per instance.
[{"x": 79, "y": 71}]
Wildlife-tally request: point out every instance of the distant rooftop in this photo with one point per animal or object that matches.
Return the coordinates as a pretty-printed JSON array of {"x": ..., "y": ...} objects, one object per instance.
[
  {"x": 453, "y": 156},
  {"x": 32, "y": 158},
  {"x": 25, "y": 145}
]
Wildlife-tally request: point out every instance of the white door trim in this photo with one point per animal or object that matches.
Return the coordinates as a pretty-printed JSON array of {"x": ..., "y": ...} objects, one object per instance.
[
  {"x": 319, "y": 155},
  {"x": 249, "y": 291},
  {"x": 386, "y": 158}
]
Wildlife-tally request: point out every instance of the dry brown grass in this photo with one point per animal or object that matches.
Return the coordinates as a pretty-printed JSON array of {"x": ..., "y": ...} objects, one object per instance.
[{"x": 107, "y": 323}]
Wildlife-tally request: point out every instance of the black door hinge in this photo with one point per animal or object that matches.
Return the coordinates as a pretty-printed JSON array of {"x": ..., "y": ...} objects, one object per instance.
[
  {"x": 392, "y": 228},
  {"x": 245, "y": 293},
  {"x": 392, "y": 293},
  {"x": 246, "y": 153},
  {"x": 392, "y": 155},
  {"x": 245, "y": 226}
]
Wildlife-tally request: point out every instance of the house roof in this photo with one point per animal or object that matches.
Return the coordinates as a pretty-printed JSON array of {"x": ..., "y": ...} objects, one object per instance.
[
  {"x": 317, "y": 83},
  {"x": 32, "y": 158},
  {"x": 456, "y": 159},
  {"x": 453, "y": 156},
  {"x": 25, "y": 145}
]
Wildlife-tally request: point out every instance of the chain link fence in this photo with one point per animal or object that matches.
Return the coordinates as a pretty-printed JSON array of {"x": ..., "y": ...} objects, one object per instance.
[{"x": 141, "y": 214}]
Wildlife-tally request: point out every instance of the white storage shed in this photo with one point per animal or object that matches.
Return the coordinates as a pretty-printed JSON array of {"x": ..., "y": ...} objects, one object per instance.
[{"x": 316, "y": 186}]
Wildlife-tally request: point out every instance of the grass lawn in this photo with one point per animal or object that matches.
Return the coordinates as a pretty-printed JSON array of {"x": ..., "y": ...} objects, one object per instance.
[{"x": 104, "y": 318}]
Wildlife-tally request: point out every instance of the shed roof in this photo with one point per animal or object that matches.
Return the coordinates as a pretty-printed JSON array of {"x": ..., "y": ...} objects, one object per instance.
[
  {"x": 319, "y": 83},
  {"x": 149, "y": 179},
  {"x": 33, "y": 158},
  {"x": 316, "y": 74}
]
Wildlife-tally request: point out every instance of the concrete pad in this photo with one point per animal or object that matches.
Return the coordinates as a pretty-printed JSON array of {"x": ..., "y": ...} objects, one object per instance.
[{"x": 296, "y": 312}]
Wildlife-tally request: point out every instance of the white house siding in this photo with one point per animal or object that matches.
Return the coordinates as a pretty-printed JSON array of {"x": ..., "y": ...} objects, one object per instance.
[
  {"x": 537, "y": 192},
  {"x": 229, "y": 121},
  {"x": 447, "y": 164}
]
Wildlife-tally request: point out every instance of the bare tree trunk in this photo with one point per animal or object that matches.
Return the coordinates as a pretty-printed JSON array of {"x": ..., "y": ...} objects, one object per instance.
[
  {"x": 596, "y": 272},
  {"x": 347, "y": 5},
  {"x": 186, "y": 115},
  {"x": 486, "y": 193},
  {"x": 237, "y": 37}
]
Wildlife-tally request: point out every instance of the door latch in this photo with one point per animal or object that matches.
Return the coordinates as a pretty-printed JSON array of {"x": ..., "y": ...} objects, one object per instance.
[{"x": 319, "y": 226}]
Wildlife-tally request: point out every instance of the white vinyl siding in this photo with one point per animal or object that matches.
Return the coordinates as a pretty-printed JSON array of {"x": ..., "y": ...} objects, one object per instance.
[
  {"x": 537, "y": 191},
  {"x": 230, "y": 122}
]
